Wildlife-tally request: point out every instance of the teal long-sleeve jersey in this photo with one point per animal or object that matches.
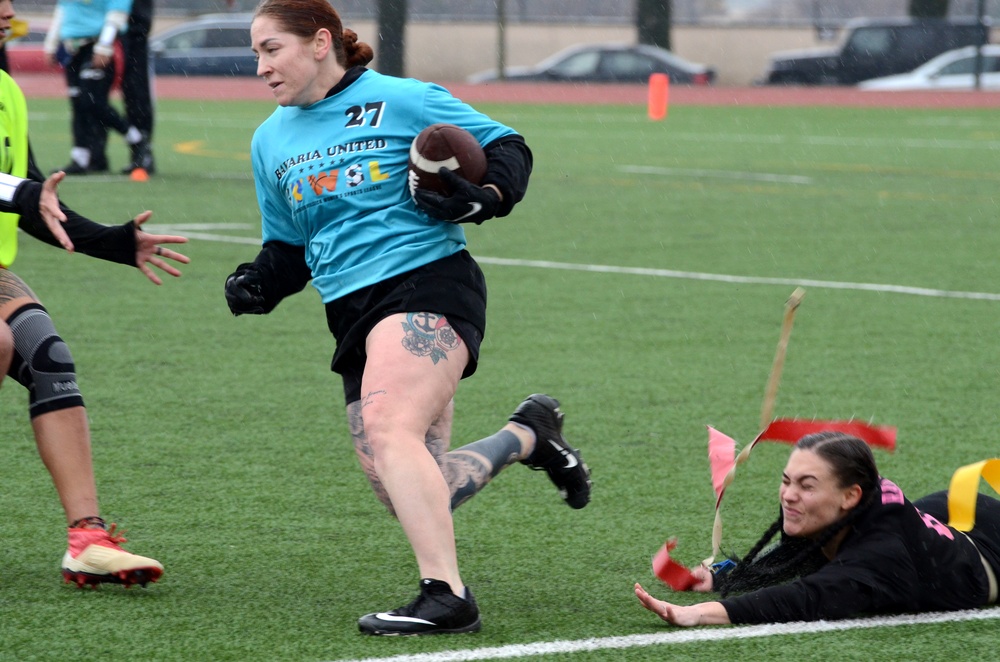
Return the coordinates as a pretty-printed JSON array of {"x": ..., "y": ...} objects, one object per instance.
[{"x": 332, "y": 177}]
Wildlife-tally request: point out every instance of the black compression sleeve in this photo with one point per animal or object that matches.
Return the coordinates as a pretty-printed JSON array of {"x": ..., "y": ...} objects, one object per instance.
[
  {"x": 27, "y": 197},
  {"x": 283, "y": 270},
  {"x": 115, "y": 243},
  {"x": 508, "y": 167}
]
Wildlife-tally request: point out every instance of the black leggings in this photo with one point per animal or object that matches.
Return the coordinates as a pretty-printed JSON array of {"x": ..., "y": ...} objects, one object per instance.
[
  {"x": 93, "y": 114},
  {"x": 985, "y": 533}
]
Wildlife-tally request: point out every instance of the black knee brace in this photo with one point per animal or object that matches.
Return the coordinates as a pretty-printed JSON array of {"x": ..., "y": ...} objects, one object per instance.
[{"x": 42, "y": 362}]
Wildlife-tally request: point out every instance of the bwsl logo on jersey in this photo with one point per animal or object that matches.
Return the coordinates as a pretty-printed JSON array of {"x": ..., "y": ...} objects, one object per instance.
[{"x": 325, "y": 182}]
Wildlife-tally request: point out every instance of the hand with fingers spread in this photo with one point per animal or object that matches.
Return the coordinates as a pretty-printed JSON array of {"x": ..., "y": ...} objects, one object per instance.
[
  {"x": 149, "y": 252},
  {"x": 705, "y": 613}
]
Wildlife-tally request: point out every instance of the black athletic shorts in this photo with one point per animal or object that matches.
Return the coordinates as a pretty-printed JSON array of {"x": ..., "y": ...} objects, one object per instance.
[{"x": 453, "y": 286}]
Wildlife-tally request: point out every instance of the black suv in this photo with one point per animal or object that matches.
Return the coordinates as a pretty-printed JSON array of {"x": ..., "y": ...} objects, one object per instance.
[{"x": 873, "y": 48}]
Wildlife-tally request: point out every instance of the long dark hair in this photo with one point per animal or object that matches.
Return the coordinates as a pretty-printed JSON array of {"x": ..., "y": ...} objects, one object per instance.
[
  {"x": 852, "y": 463},
  {"x": 304, "y": 17}
]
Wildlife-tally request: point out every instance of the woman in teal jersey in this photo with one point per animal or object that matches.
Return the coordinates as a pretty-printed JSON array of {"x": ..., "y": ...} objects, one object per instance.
[{"x": 404, "y": 300}]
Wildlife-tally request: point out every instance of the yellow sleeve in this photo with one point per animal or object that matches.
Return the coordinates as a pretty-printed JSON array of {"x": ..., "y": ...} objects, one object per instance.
[{"x": 13, "y": 156}]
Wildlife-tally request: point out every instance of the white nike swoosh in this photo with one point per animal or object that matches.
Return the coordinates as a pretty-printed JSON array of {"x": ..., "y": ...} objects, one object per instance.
[
  {"x": 384, "y": 616},
  {"x": 476, "y": 207},
  {"x": 571, "y": 460}
]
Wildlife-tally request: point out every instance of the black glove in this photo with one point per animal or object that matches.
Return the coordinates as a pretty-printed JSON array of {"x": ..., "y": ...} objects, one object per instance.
[
  {"x": 245, "y": 292},
  {"x": 467, "y": 203}
]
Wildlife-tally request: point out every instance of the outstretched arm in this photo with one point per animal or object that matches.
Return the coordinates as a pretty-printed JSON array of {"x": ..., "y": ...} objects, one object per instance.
[
  {"x": 704, "y": 613},
  {"x": 47, "y": 219}
]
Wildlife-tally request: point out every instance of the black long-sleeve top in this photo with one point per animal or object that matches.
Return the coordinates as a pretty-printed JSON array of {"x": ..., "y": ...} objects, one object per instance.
[
  {"x": 894, "y": 559},
  {"x": 114, "y": 243}
]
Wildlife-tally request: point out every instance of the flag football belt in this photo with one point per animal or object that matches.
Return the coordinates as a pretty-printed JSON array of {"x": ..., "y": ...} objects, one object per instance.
[
  {"x": 991, "y": 577},
  {"x": 963, "y": 492}
]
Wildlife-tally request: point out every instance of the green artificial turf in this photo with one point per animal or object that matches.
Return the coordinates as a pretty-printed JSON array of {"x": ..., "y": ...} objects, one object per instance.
[{"x": 221, "y": 442}]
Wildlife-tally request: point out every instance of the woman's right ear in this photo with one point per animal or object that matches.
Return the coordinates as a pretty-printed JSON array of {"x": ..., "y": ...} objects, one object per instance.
[{"x": 322, "y": 41}]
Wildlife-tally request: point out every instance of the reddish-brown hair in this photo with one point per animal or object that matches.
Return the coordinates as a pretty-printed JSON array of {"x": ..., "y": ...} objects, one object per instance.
[{"x": 304, "y": 18}]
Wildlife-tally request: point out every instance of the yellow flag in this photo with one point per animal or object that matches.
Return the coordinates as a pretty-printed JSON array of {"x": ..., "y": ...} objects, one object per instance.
[{"x": 964, "y": 491}]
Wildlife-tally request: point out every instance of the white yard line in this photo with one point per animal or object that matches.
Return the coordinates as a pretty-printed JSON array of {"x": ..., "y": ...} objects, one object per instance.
[
  {"x": 748, "y": 280},
  {"x": 881, "y": 288},
  {"x": 688, "y": 636},
  {"x": 717, "y": 174}
]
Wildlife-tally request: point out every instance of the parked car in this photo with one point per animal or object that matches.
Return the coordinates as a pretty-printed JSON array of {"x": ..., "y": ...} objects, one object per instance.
[
  {"x": 211, "y": 45},
  {"x": 953, "y": 70},
  {"x": 26, "y": 55},
  {"x": 607, "y": 63},
  {"x": 872, "y": 49}
]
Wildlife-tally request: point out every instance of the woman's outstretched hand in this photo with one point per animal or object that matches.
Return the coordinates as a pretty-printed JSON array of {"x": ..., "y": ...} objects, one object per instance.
[
  {"x": 705, "y": 613},
  {"x": 149, "y": 252}
]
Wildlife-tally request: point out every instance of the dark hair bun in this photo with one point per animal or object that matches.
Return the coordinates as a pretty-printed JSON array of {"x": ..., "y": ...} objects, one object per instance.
[{"x": 358, "y": 52}]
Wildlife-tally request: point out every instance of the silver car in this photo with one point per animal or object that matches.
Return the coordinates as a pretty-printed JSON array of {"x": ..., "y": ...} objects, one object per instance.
[{"x": 211, "y": 45}]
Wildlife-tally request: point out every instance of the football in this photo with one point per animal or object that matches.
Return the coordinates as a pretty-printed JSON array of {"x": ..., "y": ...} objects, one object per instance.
[{"x": 448, "y": 146}]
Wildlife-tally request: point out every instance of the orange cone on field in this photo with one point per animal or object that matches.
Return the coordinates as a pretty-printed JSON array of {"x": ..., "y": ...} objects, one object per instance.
[
  {"x": 139, "y": 175},
  {"x": 659, "y": 93}
]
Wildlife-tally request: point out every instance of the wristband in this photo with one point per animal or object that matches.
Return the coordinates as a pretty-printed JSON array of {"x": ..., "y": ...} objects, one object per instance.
[{"x": 107, "y": 38}]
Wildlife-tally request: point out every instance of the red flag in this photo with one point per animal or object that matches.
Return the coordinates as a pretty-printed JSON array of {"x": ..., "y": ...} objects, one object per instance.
[
  {"x": 790, "y": 430},
  {"x": 671, "y": 572},
  {"x": 721, "y": 458}
]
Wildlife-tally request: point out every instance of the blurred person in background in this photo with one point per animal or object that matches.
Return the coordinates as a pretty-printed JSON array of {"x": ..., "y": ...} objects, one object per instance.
[
  {"x": 82, "y": 37},
  {"x": 40, "y": 360}
]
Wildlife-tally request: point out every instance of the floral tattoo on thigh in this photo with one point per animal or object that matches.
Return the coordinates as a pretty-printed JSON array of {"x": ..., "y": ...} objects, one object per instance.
[{"x": 429, "y": 334}]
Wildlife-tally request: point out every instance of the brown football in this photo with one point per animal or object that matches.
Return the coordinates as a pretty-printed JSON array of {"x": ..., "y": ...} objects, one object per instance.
[{"x": 448, "y": 146}]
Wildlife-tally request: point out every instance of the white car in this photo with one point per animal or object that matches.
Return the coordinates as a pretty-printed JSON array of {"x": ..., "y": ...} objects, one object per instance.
[{"x": 952, "y": 70}]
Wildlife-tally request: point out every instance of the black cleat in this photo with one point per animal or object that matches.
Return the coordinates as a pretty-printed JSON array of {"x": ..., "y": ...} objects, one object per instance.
[
  {"x": 435, "y": 611},
  {"x": 553, "y": 453},
  {"x": 141, "y": 157}
]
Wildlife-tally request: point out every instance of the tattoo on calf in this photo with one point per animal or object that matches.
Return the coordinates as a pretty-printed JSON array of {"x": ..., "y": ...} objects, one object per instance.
[
  {"x": 465, "y": 474},
  {"x": 429, "y": 334},
  {"x": 468, "y": 469}
]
